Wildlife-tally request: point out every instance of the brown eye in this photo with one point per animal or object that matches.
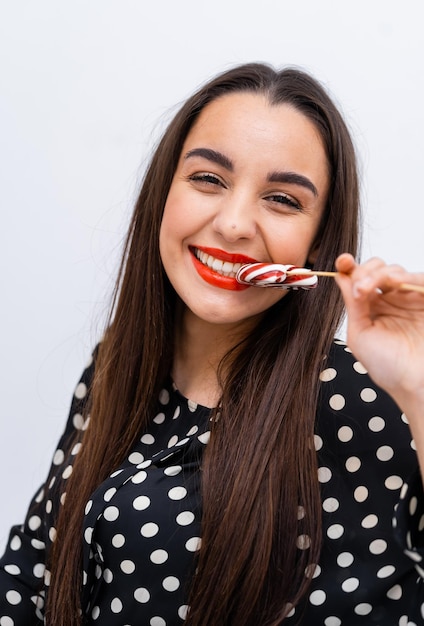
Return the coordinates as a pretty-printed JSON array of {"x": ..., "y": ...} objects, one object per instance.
[
  {"x": 284, "y": 199},
  {"x": 206, "y": 178}
]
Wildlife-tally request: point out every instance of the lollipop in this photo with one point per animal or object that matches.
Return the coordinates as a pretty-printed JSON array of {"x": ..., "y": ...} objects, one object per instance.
[
  {"x": 276, "y": 275},
  {"x": 291, "y": 277}
]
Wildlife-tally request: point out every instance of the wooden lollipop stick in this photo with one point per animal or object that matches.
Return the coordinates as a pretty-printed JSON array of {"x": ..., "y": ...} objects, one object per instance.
[{"x": 303, "y": 271}]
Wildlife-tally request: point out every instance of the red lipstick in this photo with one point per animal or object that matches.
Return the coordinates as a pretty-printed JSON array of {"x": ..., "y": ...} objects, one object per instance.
[{"x": 212, "y": 276}]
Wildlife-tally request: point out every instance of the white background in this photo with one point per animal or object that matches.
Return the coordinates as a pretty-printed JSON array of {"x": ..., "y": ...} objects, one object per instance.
[{"x": 85, "y": 87}]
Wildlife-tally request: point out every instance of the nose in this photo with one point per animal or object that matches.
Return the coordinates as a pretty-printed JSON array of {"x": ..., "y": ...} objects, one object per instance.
[{"x": 236, "y": 219}]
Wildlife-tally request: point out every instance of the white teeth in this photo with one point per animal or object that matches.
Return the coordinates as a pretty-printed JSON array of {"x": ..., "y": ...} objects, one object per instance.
[
  {"x": 217, "y": 265},
  {"x": 222, "y": 267}
]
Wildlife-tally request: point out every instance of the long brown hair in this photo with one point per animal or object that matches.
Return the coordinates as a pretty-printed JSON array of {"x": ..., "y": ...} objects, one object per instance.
[{"x": 260, "y": 465}]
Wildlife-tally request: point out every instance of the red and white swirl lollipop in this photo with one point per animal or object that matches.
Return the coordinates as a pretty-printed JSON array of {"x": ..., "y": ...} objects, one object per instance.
[
  {"x": 291, "y": 277},
  {"x": 276, "y": 275}
]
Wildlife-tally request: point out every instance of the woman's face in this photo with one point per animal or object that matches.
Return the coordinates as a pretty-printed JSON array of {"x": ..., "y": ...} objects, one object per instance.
[{"x": 250, "y": 186}]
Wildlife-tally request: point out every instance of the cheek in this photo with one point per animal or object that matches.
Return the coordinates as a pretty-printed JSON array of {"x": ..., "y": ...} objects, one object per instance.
[{"x": 290, "y": 243}]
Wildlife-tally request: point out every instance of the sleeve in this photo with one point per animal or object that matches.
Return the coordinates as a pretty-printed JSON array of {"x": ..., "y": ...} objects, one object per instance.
[{"x": 23, "y": 573}]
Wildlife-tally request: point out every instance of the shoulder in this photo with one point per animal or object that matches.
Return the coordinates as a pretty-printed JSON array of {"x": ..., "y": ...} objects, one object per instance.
[{"x": 346, "y": 388}]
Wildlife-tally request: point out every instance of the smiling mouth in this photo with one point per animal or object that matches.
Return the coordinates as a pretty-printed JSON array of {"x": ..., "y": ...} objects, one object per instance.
[{"x": 224, "y": 268}]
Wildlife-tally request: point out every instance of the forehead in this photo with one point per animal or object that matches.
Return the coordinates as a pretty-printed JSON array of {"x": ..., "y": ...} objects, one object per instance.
[{"x": 244, "y": 123}]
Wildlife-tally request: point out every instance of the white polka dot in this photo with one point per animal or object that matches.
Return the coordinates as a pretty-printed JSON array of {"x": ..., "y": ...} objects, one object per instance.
[
  {"x": 345, "y": 559},
  {"x": 78, "y": 421},
  {"x": 192, "y": 431},
  {"x": 324, "y": 474},
  {"x": 376, "y": 424},
  {"x": 393, "y": 482},
  {"x": 192, "y": 406},
  {"x": 368, "y": 395},
  {"x": 159, "y": 419},
  {"x": 318, "y": 442},
  {"x": 358, "y": 367},
  {"x": 34, "y": 522},
  {"x": 378, "y": 546},
  {"x": 363, "y": 609},
  {"x": 332, "y": 621},
  {"x": 385, "y": 453},
  {"x": 328, "y": 374},
  {"x": 127, "y": 566},
  {"x": 135, "y": 458},
  {"x": 118, "y": 540},
  {"x": 185, "y": 518},
  {"x": 52, "y": 534},
  {"x": 76, "y": 449},
  {"x": 170, "y": 583},
  {"x": 335, "y": 531},
  {"x": 312, "y": 571},
  {"x": 303, "y": 542},
  {"x": 157, "y": 621},
  {"x": 177, "y": 493},
  {"x": 360, "y": 494},
  {"x": 67, "y": 472},
  {"x": 49, "y": 506},
  {"x": 38, "y": 570},
  {"x": 159, "y": 556},
  {"x": 111, "y": 513},
  {"x": 204, "y": 438},
  {"x": 193, "y": 544},
  {"x": 16, "y": 543},
  {"x": 139, "y": 477},
  {"x": 109, "y": 494},
  {"x": 337, "y": 402},
  {"x": 182, "y": 611},
  {"x": 350, "y": 584},
  {"x": 107, "y": 575},
  {"x": 141, "y": 503},
  {"x": 88, "y": 533},
  {"x": 149, "y": 529},
  {"x": 176, "y": 413},
  {"x": 164, "y": 396},
  {"x": 142, "y": 595},
  {"x": 330, "y": 505},
  {"x": 13, "y": 597},
  {"x": 172, "y": 470},
  {"x": 59, "y": 457},
  {"x": 300, "y": 512},
  {"x": 147, "y": 439},
  {"x": 369, "y": 521},
  {"x": 14, "y": 570},
  {"x": 37, "y": 544},
  {"x": 95, "y": 612},
  {"x": 88, "y": 506},
  {"x": 414, "y": 555},
  {"x": 116, "y": 605},
  {"x": 6, "y": 621},
  {"x": 395, "y": 593},
  {"x": 386, "y": 571},
  {"x": 81, "y": 391},
  {"x": 173, "y": 441},
  {"x": 404, "y": 418},
  {"x": 317, "y": 597},
  {"x": 353, "y": 464},
  {"x": 345, "y": 434}
]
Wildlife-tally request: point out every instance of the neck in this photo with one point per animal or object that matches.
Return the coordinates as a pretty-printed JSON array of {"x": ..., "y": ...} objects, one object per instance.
[{"x": 199, "y": 348}]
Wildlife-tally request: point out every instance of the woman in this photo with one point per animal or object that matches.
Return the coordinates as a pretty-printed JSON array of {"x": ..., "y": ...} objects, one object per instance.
[{"x": 198, "y": 415}]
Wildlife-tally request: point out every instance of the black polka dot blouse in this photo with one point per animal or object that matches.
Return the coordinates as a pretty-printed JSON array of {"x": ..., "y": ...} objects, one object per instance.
[{"x": 142, "y": 525}]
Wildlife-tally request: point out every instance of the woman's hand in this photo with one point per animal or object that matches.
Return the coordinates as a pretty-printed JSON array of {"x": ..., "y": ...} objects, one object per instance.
[{"x": 386, "y": 326}]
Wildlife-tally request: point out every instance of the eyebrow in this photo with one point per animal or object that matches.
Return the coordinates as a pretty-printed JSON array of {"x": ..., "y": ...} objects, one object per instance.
[
  {"x": 211, "y": 155},
  {"x": 274, "y": 177},
  {"x": 293, "y": 179}
]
